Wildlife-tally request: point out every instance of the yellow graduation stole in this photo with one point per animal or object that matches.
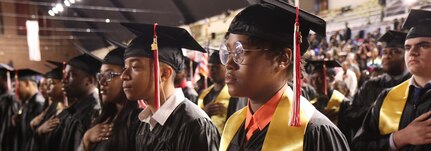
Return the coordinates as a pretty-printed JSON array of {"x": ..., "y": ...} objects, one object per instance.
[
  {"x": 280, "y": 135},
  {"x": 223, "y": 98},
  {"x": 333, "y": 103},
  {"x": 392, "y": 108}
]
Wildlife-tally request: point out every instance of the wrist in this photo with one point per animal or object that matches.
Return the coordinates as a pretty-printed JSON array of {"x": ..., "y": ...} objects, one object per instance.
[{"x": 399, "y": 141}]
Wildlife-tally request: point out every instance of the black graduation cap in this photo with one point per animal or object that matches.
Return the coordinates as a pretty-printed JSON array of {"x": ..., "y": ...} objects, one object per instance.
[
  {"x": 394, "y": 39},
  {"x": 418, "y": 22},
  {"x": 5, "y": 68},
  {"x": 323, "y": 66},
  {"x": 170, "y": 41},
  {"x": 274, "y": 20},
  {"x": 115, "y": 56},
  {"x": 57, "y": 72},
  {"x": 27, "y": 74},
  {"x": 317, "y": 65},
  {"x": 215, "y": 58},
  {"x": 87, "y": 63}
]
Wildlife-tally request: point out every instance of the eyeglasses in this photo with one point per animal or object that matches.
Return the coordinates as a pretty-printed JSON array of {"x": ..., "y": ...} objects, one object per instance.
[
  {"x": 238, "y": 53},
  {"x": 107, "y": 76}
]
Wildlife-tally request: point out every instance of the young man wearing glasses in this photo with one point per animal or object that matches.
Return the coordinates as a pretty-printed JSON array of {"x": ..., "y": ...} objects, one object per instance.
[{"x": 258, "y": 59}]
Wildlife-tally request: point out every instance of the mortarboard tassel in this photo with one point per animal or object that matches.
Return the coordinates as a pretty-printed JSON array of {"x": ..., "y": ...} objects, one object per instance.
[
  {"x": 295, "y": 119},
  {"x": 142, "y": 104},
  {"x": 65, "y": 101},
  {"x": 154, "y": 47}
]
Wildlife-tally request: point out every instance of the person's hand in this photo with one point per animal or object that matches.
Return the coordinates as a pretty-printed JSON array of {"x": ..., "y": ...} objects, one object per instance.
[
  {"x": 36, "y": 120},
  {"x": 98, "y": 133},
  {"x": 418, "y": 132},
  {"x": 215, "y": 109},
  {"x": 48, "y": 125}
]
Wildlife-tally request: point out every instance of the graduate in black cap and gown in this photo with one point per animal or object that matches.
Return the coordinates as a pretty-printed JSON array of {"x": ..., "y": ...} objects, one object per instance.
[
  {"x": 400, "y": 118},
  {"x": 80, "y": 86},
  {"x": 9, "y": 106},
  {"x": 395, "y": 73},
  {"x": 258, "y": 54},
  {"x": 47, "y": 122},
  {"x": 181, "y": 80},
  {"x": 177, "y": 124},
  {"x": 116, "y": 126},
  {"x": 31, "y": 106}
]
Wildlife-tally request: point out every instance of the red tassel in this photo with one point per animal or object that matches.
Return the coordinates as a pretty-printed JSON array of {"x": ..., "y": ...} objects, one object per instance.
[
  {"x": 142, "y": 104},
  {"x": 154, "y": 47},
  {"x": 296, "y": 121},
  {"x": 65, "y": 101}
]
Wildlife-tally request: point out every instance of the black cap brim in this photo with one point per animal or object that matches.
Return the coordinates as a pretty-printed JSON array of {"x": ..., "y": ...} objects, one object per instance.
[{"x": 394, "y": 39}]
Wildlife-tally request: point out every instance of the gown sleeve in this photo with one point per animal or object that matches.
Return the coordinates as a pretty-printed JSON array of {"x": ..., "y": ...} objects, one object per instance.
[
  {"x": 199, "y": 135},
  {"x": 322, "y": 135},
  {"x": 368, "y": 137}
]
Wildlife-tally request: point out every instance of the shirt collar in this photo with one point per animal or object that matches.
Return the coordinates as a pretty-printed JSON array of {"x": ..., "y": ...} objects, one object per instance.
[
  {"x": 413, "y": 83},
  {"x": 163, "y": 113},
  {"x": 262, "y": 117}
]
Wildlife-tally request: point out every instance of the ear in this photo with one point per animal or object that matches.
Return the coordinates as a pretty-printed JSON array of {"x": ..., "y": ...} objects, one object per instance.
[
  {"x": 284, "y": 59},
  {"x": 166, "y": 73}
]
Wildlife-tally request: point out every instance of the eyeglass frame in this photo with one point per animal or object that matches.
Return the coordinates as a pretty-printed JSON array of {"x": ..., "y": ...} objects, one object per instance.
[
  {"x": 236, "y": 55},
  {"x": 111, "y": 75}
]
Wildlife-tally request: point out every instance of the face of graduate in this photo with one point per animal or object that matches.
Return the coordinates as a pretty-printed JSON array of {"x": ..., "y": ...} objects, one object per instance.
[
  {"x": 258, "y": 72},
  {"x": 110, "y": 83},
  {"x": 76, "y": 82},
  {"x": 393, "y": 60},
  {"x": 54, "y": 89},
  {"x": 217, "y": 73},
  {"x": 137, "y": 78},
  {"x": 24, "y": 88},
  {"x": 417, "y": 56},
  {"x": 43, "y": 87}
]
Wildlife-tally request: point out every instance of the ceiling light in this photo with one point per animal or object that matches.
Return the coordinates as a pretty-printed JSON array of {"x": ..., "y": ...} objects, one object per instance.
[
  {"x": 107, "y": 20},
  {"x": 59, "y": 7},
  {"x": 51, "y": 13},
  {"x": 55, "y": 10},
  {"x": 72, "y": 1},
  {"x": 67, "y": 3},
  {"x": 88, "y": 30}
]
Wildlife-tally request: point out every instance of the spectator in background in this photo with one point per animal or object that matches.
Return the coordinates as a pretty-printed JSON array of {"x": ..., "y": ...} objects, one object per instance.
[
  {"x": 396, "y": 24},
  {"x": 347, "y": 32},
  {"x": 349, "y": 77}
]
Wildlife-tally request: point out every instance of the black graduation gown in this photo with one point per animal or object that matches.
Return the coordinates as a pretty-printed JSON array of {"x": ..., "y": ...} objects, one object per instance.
[
  {"x": 51, "y": 141},
  {"x": 81, "y": 115},
  {"x": 188, "y": 128},
  {"x": 190, "y": 94},
  {"x": 124, "y": 131},
  {"x": 36, "y": 141},
  {"x": 9, "y": 106},
  {"x": 366, "y": 96},
  {"x": 368, "y": 137},
  {"x": 30, "y": 109},
  {"x": 320, "y": 135}
]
